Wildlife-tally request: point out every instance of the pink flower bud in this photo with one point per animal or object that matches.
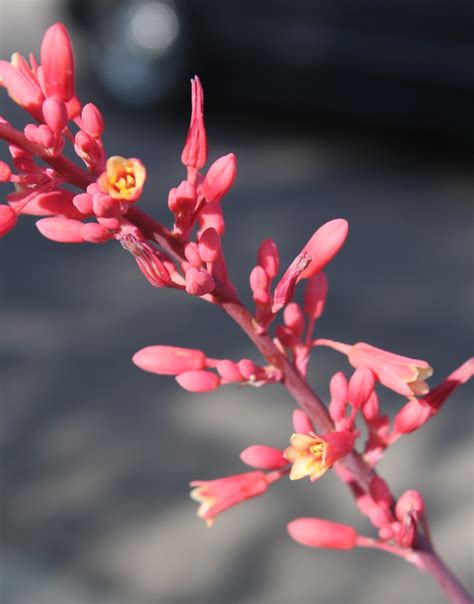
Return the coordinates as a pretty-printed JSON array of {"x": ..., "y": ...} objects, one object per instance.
[
  {"x": 73, "y": 108},
  {"x": 294, "y": 319},
  {"x": 315, "y": 295},
  {"x": 324, "y": 245},
  {"x": 57, "y": 61},
  {"x": 286, "y": 336},
  {"x": 83, "y": 202},
  {"x": 31, "y": 132},
  {"x": 219, "y": 178},
  {"x": 380, "y": 492},
  {"x": 316, "y": 532},
  {"x": 113, "y": 224},
  {"x": 370, "y": 410},
  {"x": 411, "y": 502},
  {"x": 92, "y": 120},
  {"x": 209, "y": 245},
  {"x": 169, "y": 360},
  {"x": 194, "y": 154},
  {"x": 263, "y": 457},
  {"x": 339, "y": 395},
  {"x": 52, "y": 203},
  {"x": 301, "y": 422},
  {"x": 199, "y": 282},
  {"x": 8, "y": 219},
  {"x": 191, "y": 252},
  {"x": 45, "y": 137},
  {"x": 95, "y": 233},
  {"x": 5, "y": 172},
  {"x": 412, "y": 416},
  {"x": 151, "y": 262},
  {"x": 248, "y": 369},
  {"x": 268, "y": 257},
  {"x": 62, "y": 230},
  {"x": 23, "y": 90},
  {"x": 229, "y": 371},
  {"x": 259, "y": 283},
  {"x": 105, "y": 206},
  {"x": 198, "y": 381},
  {"x": 55, "y": 114},
  {"x": 361, "y": 386}
]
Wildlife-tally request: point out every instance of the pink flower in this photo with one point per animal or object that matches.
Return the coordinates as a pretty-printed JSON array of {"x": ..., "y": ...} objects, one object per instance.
[
  {"x": 219, "y": 178},
  {"x": 218, "y": 495},
  {"x": 312, "y": 455},
  {"x": 316, "y": 532},
  {"x": 198, "y": 381},
  {"x": 123, "y": 178},
  {"x": 61, "y": 230},
  {"x": 401, "y": 374}
]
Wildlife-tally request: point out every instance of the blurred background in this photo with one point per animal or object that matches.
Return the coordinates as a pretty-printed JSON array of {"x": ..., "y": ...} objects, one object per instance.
[{"x": 335, "y": 109}]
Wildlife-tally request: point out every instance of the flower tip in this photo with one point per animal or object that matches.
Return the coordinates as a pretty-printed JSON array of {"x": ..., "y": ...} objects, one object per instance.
[{"x": 316, "y": 532}]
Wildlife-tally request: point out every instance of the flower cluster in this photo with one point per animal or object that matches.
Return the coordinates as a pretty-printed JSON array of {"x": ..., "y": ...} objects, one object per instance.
[{"x": 188, "y": 255}]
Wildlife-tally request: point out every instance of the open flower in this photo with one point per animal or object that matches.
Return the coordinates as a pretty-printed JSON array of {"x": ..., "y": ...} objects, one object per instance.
[
  {"x": 312, "y": 455},
  {"x": 218, "y": 495},
  {"x": 123, "y": 178},
  {"x": 401, "y": 374}
]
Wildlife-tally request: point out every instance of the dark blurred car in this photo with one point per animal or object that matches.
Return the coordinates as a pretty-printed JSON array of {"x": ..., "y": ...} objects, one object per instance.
[{"x": 409, "y": 61}]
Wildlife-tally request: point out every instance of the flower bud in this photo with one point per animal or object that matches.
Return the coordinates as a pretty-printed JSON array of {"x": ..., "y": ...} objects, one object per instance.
[
  {"x": 57, "y": 62},
  {"x": 339, "y": 395},
  {"x": 199, "y": 282},
  {"x": 412, "y": 416},
  {"x": 62, "y": 230},
  {"x": 294, "y": 319},
  {"x": 83, "y": 202},
  {"x": 191, "y": 252},
  {"x": 219, "y": 178},
  {"x": 268, "y": 257},
  {"x": 169, "y": 360},
  {"x": 316, "y": 532},
  {"x": 361, "y": 386},
  {"x": 229, "y": 371},
  {"x": 301, "y": 422},
  {"x": 248, "y": 369},
  {"x": 198, "y": 381},
  {"x": 263, "y": 457},
  {"x": 95, "y": 233},
  {"x": 92, "y": 120},
  {"x": 209, "y": 245},
  {"x": 55, "y": 114}
]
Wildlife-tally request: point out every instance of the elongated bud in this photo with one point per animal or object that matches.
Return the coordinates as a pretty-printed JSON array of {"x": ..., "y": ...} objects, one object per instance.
[
  {"x": 169, "y": 360},
  {"x": 229, "y": 371},
  {"x": 324, "y": 245},
  {"x": 57, "y": 62},
  {"x": 52, "y": 203},
  {"x": 316, "y": 532},
  {"x": 380, "y": 492},
  {"x": 198, "y": 381},
  {"x": 248, "y": 369},
  {"x": 301, "y": 422},
  {"x": 294, "y": 319},
  {"x": 45, "y": 137},
  {"x": 259, "y": 283},
  {"x": 83, "y": 203},
  {"x": 22, "y": 90},
  {"x": 95, "y": 233},
  {"x": 209, "y": 245},
  {"x": 219, "y": 178},
  {"x": 412, "y": 416},
  {"x": 315, "y": 296},
  {"x": 191, "y": 253},
  {"x": 8, "y": 219},
  {"x": 194, "y": 154},
  {"x": 92, "y": 120},
  {"x": 268, "y": 257},
  {"x": 55, "y": 114},
  {"x": 361, "y": 386},
  {"x": 371, "y": 408},
  {"x": 62, "y": 230},
  {"x": 199, "y": 282},
  {"x": 338, "y": 389},
  {"x": 263, "y": 457}
]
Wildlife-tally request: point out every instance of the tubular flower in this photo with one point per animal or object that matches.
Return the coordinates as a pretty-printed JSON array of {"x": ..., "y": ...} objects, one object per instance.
[
  {"x": 312, "y": 455},
  {"x": 401, "y": 374},
  {"x": 123, "y": 178},
  {"x": 218, "y": 495}
]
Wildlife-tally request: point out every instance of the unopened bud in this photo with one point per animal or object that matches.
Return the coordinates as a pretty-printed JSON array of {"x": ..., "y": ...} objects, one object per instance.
[
  {"x": 198, "y": 381},
  {"x": 219, "y": 178},
  {"x": 316, "y": 532},
  {"x": 92, "y": 120},
  {"x": 263, "y": 457},
  {"x": 169, "y": 360},
  {"x": 55, "y": 114},
  {"x": 62, "y": 230}
]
